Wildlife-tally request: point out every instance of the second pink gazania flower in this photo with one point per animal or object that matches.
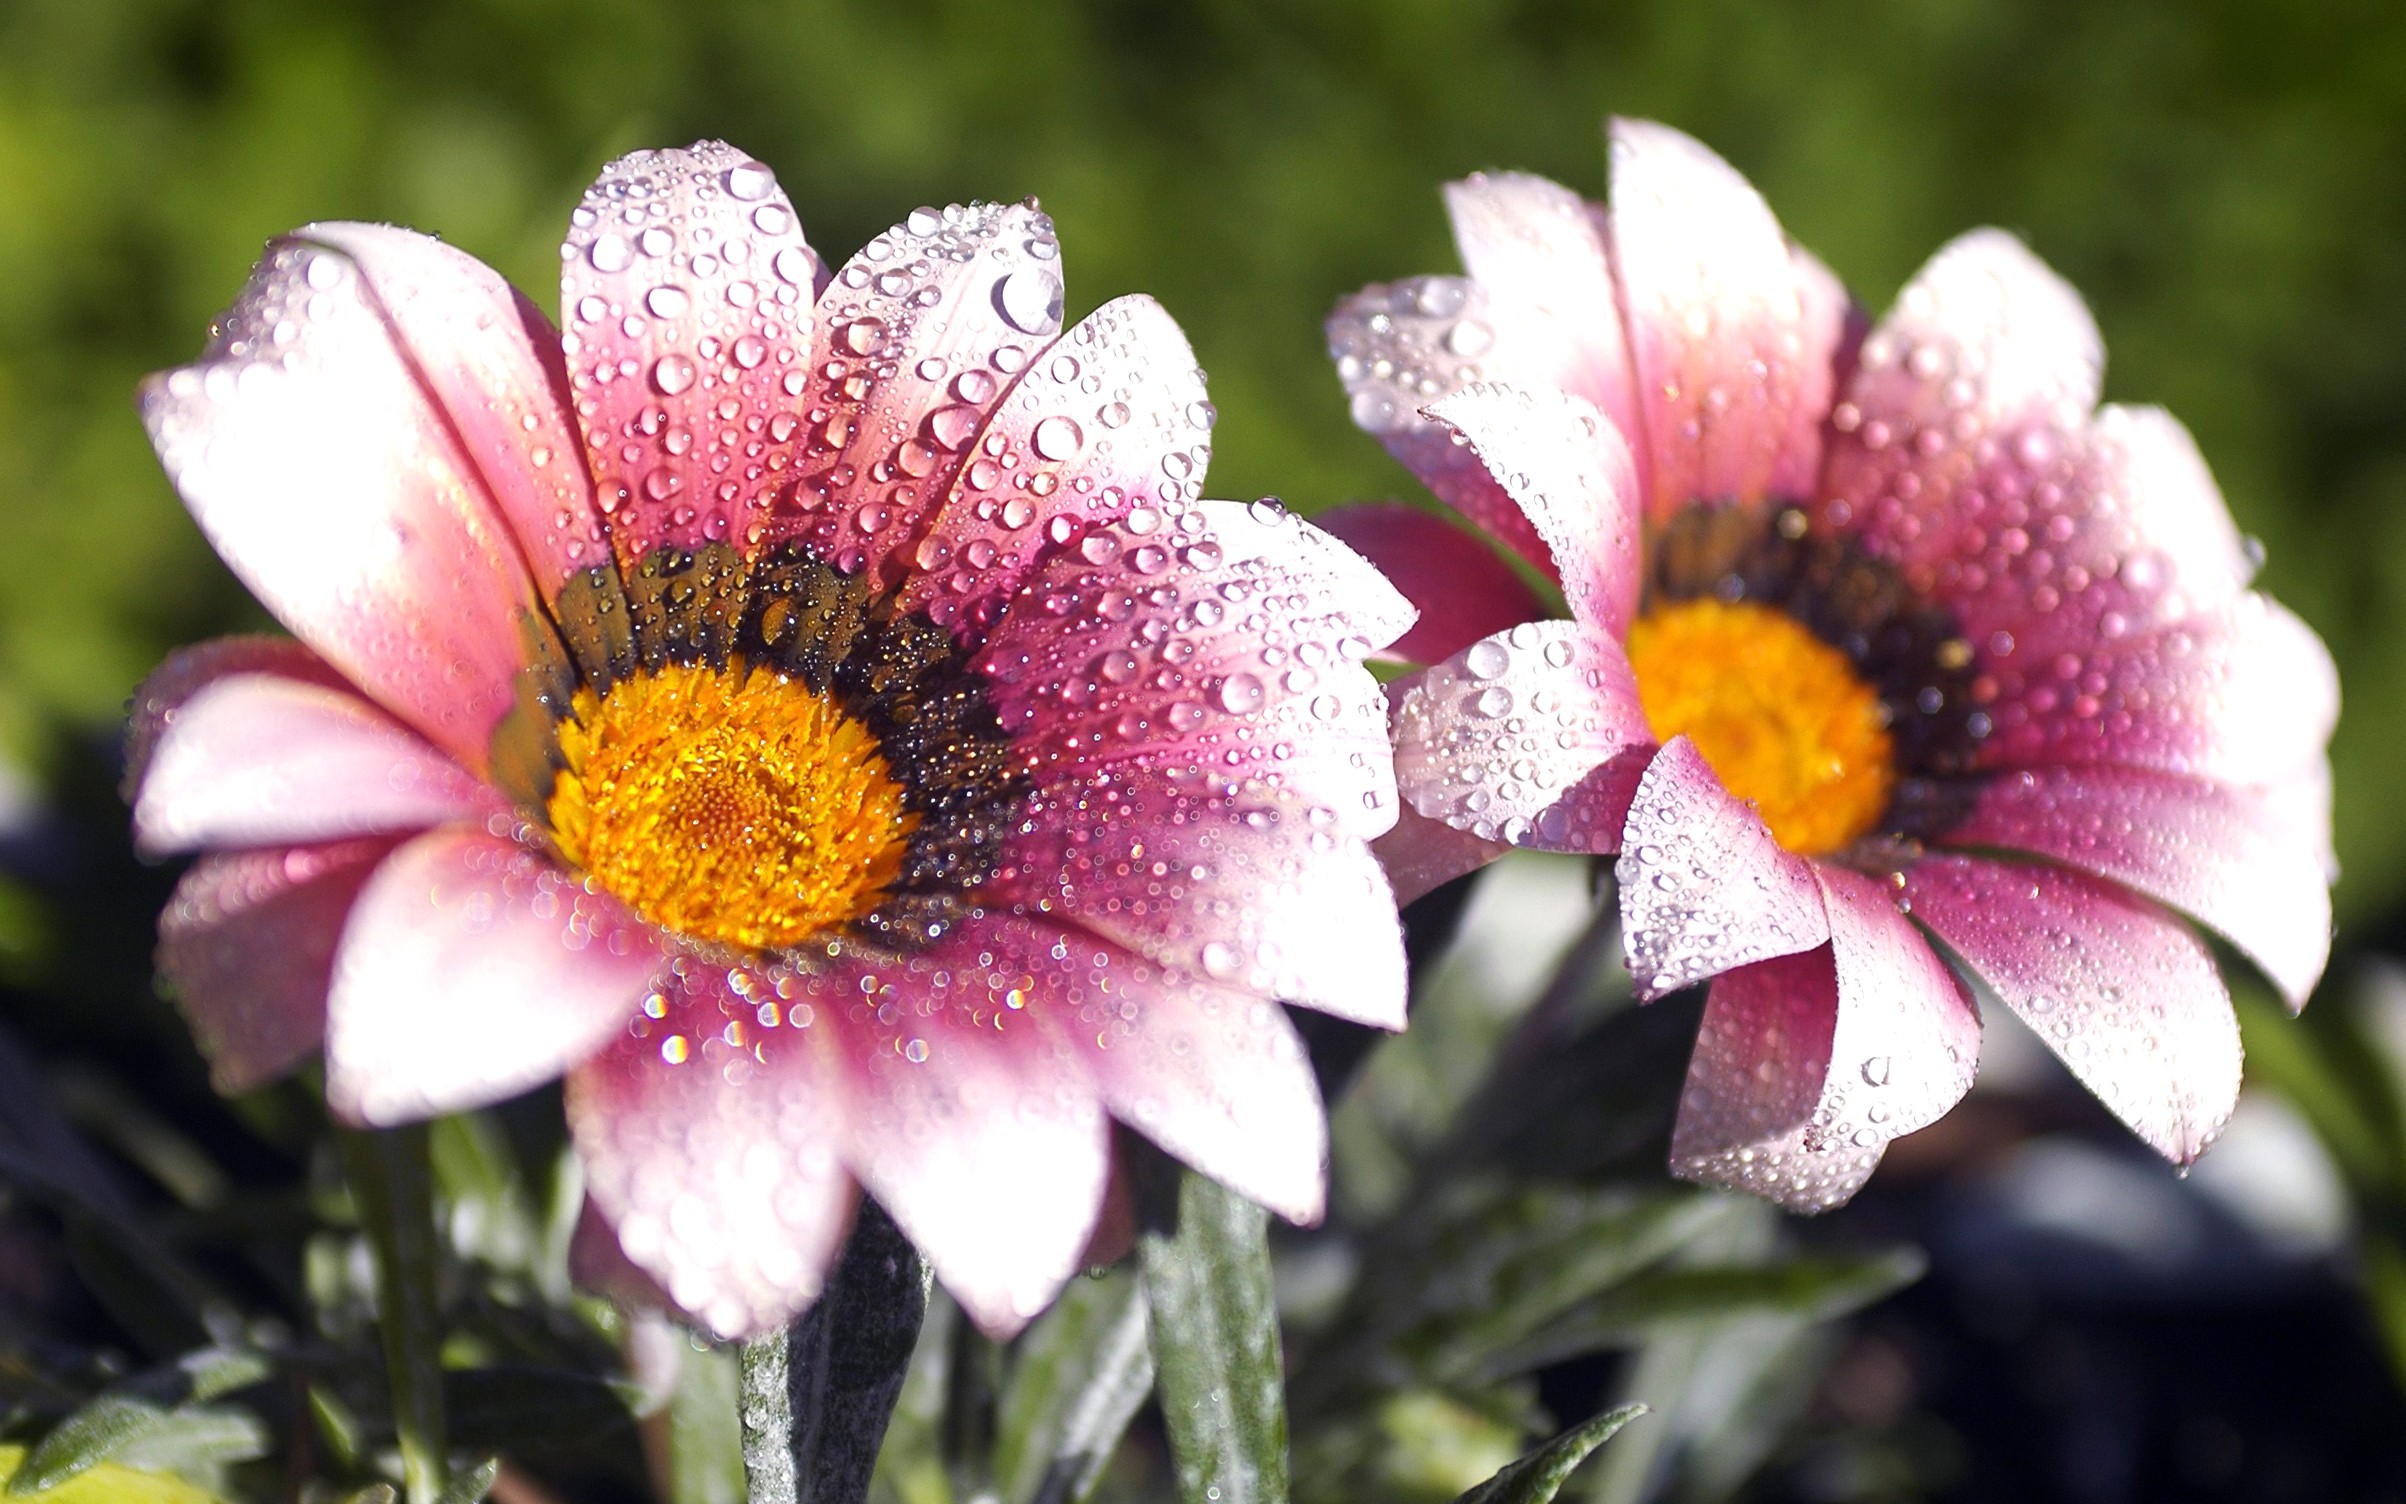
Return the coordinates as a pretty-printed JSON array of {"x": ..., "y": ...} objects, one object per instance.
[
  {"x": 1887, "y": 650},
  {"x": 818, "y": 715}
]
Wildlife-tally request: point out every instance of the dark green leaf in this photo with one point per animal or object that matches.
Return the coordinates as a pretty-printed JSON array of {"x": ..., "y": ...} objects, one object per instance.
[
  {"x": 1077, "y": 1379},
  {"x": 471, "y": 1486},
  {"x": 392, "y": 1185},
  {"x": 1206, "y": 1263},
  {"x": 152, "y": 1416},
  {"x": 705, "y": 1443},
  {"x": 1536, "y": 1478}
]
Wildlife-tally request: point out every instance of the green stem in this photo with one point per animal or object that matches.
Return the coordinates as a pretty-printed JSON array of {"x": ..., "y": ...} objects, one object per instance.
[
  {"x": 765, "y": 1403},
  {"x": 392, "y": 1185}
]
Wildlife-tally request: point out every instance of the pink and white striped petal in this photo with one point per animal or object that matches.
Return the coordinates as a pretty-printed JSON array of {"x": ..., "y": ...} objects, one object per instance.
[
  {"x": 970, "y": 1121},
  {"x": 1421, "y": 854},
  {"x": 1533, "y": 737},
  {"x": 1111, "y": 424},
  {"x": 2221, "y": 854},
  {"x": 1733, "y": 348},
  {"x": 264, "y": 760},
  {"x": 247, "y": 944},
  {"x": 1462, "y": 589},
  {"x": 1569, "y": 472},
  {"x": 472, "y": 969},
  {"x": 334, "y": 486},
  {"x": 685, "y": 298},
  {"x": 1226, "y": 882},
  {"x": 1901, "y": 1047},
  {"x": 1230, "y": 642},
  {"x": 919, "y": 336},
  {"x": 1705, "y": 887},
  {"x": 492, "y": 363},
  {"x": 709, "y": 1128},
  {"x": 188, "y": 671},
  {"x": 2121, "y": 990}
]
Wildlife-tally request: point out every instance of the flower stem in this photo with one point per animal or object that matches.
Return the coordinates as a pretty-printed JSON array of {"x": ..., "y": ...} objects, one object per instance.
[
  {"x": 392, "y": 1184},
  {"x": 765, "y": 1403}
]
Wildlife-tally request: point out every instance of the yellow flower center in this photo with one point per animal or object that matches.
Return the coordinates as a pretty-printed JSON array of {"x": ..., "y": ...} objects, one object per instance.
[
  {"x": 1781, "y": 715},
  {"x": 737, "y": 806}
]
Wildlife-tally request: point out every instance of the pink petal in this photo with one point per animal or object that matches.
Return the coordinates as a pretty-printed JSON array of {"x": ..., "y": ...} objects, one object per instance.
[
  {"x": 1111, "y": 424},
  {"x": 247, "y": 943},
  {"x": 1733, "y": 348},
  {"x": 1233, "y": 884},
  {"x": 2222, "y": 854},
  {"x": 1232, "y": 646},
  {"x": 492, "y": 363},
  {"x": 2118, "y": 988},
  {"x": 918, "y": 337},
  {"x": 321, "y": 471},
  {"x": 263, "y": 760},
  {"x": 1705, "y": 887},
  {"x": 1539, "y": 251},
  {"x": 1394, "y": 345},
  {"x": 685, "y": 296},
  {"x": 970, "y": 1120},
  {"x": 472, "y": 969},
  {"x": 1533, "y": 737},
  {"x": 1570, "y": 473},
  {"x": 1421, "y": 854},
  {"x": 188, "y": 671},
  {"x": 1461, "y": 588},
  {"x": 709, "y": 1129},
  {"x": 1900, "y": 1050}
]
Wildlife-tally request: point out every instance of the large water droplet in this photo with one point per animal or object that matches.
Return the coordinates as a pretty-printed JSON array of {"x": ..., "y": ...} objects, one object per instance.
[
  {"x": 1057, "y": 438},
  {"x": 1029, "y": 300}
]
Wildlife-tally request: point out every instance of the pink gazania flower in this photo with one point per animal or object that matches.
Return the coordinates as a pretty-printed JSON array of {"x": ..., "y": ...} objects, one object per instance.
[
  {"x": 1893, "y": 661},
  {"x": 816, "y": 714}
]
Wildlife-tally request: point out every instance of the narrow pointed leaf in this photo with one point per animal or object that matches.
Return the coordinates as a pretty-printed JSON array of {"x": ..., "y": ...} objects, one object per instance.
[
  {"x": 1206, "y": 1261},
  {"x": 1079, "y": 1377},
  {"x": 471, "y": 1486},
  {"x": 1536, "y": 1478},
  {"x": 153, "y": 1418}
]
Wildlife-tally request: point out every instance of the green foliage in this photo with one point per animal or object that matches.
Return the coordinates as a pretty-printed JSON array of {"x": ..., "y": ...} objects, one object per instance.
[{"x": 1206, "y": 1267}]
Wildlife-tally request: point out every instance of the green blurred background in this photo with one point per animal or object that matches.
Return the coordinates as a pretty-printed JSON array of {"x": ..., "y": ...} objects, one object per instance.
[{"x": 2226, "y": 182}]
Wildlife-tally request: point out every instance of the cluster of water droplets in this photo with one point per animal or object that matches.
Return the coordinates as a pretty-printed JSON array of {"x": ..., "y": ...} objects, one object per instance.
[
  {"x": 1402, "y": 345},
  {"x": 686, "y": 288}
]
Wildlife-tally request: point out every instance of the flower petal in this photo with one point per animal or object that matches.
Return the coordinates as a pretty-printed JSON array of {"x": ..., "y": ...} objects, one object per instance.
[
  {"x": 1461, "y": 588},
  {"x": 2223, "y": 855},
  {"x": 1567, "y": 469},
  {"x": 2121, "y": 990},
  {"x": 918, "y": 337},
  {"x": 709, "y": 1135},
  {"x": 472, "y": 969},
  {"x": 1233, "y": 645},
  {"x": 685, "y": 296},
  {"x": 1705, "y": 887},
  {"x": 972, "y": 1123},
  {"x": 1733, "y": 348},
  {"x": 188, "y": 671},
  {"x": 335, "y": 488},
  {"x": 1234, "y": 884},
  {"x": 1111, "y": 423},
  {"x": 1900, "y": 1049},
  {"x": 1533, "y": 737},
  {"x": 492, "y": 362},
  {"x": 1394, "y": 345},
  {"x": 1421, "y": 854},
  {"x": 263, "y": 760},
  {"x": 247, "y": 943}
]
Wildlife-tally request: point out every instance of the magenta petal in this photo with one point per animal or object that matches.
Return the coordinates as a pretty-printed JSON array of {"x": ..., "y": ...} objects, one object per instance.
[
  {"x": 970, "y": 1120},
  {"x": 188, "y": 671},
  {"x": 1733, "y": 348},
  {"x": 2121, "y": 990},
  {"x": 1236, "y": 885},
  {"x": 1900, "y": 1050},
  {"x": 1538, "y": 252},
  {"x": 918, "y": 337},
  {"x": 709, "y": 1131},
  {"x": 1394, "y": 345},
  {"x": 324, "y": 475},
  {"x": 263, "y": 760},
  {"x": 247, "y": 944},
  {"x": 2221, "y": 854},
  {"x": 1111, "y": 424},
  {"x": 1567, "y": 469},
  {"x": 1421, "y": 854},
  {"x": 1233, "y": 646},
  {"x": 1705, "y": 887},
  {"x": 685, "y": 301},
  {"x": 1533, "y": 737},
  {"x": 472, "y": 969},
  {"x": 1463, "y": 590},
  {"x": 492, "y": 361}
]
